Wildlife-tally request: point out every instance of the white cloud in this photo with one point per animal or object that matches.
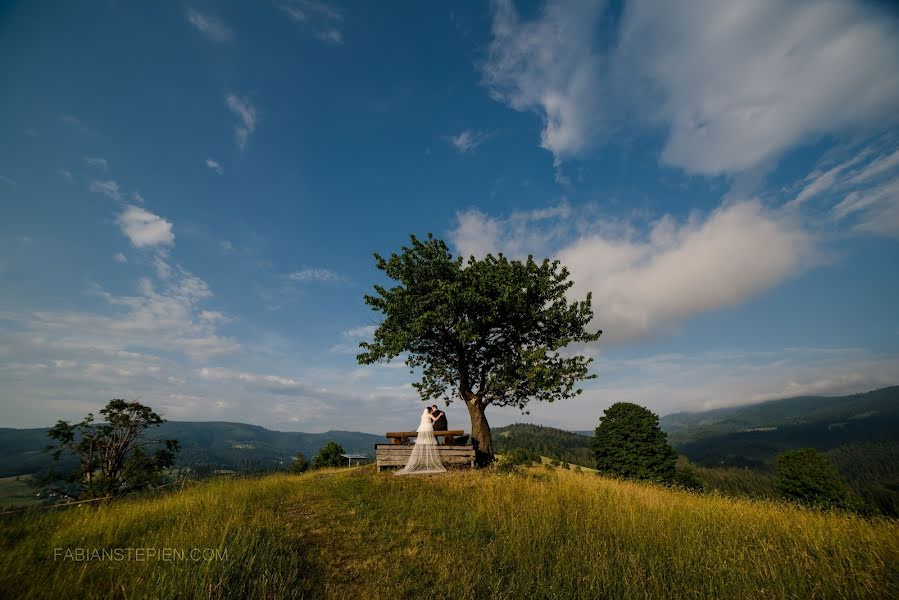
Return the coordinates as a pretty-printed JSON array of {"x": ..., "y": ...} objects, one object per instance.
[
  {"x": 642, "y": 285},
  {"x": 467, "y": 140},
  {"x": 213, "y": 27},
  {"x": 322, "y": 18},
  {"x": 883, "y": 164},
  {"x": 120, "y": 258},
  {"x": 145, "y": 229},
  {"x": 107, "y": 188},
  {"x": 739, "y": 83},
  {"x": 246, "y": 112},
  {"x": 876, "y": 209},
  {"x": 227, "y": 247},
  {"x": 9, "y": 181},
  {"x": 735, "y": 84},
  {"x": 65, "y": 174},
  {"x": 96, "y": 162},
  {"x": 310, "y": 275},
  {"x": 549, "y": 66},
  {"x": 215, "y": 166}
]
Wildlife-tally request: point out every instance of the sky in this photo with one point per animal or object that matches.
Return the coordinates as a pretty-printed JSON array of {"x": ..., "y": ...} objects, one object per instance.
[{"x": 191, "y": 195}]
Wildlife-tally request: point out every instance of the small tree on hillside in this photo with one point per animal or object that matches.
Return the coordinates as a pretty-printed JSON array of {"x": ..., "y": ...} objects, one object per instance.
[
  {"x": 808, "y": 476},
  {"x": 487, "y": 331},
  {"x": 116, "y": 456},
  {"x": 328, "y": 456},
  {"x": 299, "y": 464},
  {"x": 629, "y": 443}
]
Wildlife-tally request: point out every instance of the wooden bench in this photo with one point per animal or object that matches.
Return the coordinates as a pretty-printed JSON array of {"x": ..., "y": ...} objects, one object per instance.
[
  {"x": 395, "y": 455},
  {"x": 402, "y": 437}
]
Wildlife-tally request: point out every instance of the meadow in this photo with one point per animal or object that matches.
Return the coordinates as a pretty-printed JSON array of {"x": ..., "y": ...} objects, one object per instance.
[{"x": 533, "y": 533}]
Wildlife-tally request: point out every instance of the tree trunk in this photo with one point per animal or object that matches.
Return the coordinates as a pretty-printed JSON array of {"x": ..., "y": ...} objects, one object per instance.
[{"x": 480, "y": 434}]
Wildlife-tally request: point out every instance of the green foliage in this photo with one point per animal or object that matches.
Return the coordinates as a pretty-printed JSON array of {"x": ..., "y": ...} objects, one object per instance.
[
  {"x": 686, "y": 475},
  {"x": 872, "y": 472},
  {"x": 299, "y": 464},
  {"x": 629, "y": 443},
  {"x": 520, "y": 456},
  {"x": 329, "y": 456},
  {"x": 112, "y": 456},
  {"x": 486, "y": 331},
  {"x": 807, "y": 476}
]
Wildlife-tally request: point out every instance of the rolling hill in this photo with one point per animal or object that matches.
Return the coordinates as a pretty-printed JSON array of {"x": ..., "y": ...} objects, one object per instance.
[{"x": 218, "y": 445}]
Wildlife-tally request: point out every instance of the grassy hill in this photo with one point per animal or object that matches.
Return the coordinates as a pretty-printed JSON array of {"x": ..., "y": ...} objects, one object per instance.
[
  {"x": 467, "y": 534},
  {"x": 221, "y": 445}
]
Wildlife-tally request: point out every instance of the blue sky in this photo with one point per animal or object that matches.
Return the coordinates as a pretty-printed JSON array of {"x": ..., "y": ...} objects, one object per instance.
[{"x": 191, "y": 194}]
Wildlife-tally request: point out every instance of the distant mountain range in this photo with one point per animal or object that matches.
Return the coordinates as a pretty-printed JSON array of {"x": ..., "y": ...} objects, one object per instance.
[
  {"x": 738, "y": 436},
  {"x": 755, "y": 434},
  {"x": 219, "y": 445}
]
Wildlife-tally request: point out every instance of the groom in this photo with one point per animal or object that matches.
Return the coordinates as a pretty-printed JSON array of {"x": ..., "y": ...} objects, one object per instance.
[{"x": 440, "y": 421}]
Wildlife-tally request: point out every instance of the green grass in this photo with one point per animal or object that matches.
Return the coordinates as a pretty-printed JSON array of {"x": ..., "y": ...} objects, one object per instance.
[
  {"x": 17, "y": 491},
  {"x": 537, "y": 534}
]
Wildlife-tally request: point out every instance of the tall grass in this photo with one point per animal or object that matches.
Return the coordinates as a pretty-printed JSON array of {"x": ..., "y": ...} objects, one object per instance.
[{"x": 534, "y": 534}]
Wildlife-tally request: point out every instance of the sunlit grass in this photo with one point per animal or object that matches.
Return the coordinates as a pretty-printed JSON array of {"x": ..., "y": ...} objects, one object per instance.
[{"x": 465, "y": 534}]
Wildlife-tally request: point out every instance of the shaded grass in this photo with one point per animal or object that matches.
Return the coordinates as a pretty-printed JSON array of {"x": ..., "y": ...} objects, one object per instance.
[{"x": 533, "y": 534}]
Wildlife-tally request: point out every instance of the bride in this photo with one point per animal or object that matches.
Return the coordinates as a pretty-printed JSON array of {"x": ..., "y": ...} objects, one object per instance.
[{"x": 424, "y": 457}]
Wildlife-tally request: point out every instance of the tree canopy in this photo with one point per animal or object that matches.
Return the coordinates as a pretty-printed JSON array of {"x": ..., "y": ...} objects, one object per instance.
[
  {"x": 328, "y": 456},
  {"x": 113, "y": 455},
  {"x": 808, "y": 476},
  {"x": 629, "y": 443},
  {"x": 487, "y": 331}
]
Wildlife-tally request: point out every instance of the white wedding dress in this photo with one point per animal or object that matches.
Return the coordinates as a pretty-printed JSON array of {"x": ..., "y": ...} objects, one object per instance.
[{"x": 425, "y": 457}]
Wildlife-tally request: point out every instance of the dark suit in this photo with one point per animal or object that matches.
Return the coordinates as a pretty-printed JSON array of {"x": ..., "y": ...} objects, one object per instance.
[{"x": 440, "y": 423}]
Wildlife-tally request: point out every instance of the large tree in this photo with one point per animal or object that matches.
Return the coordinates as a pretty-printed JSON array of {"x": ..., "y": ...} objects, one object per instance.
[
  {"x": 808, "y": 476},
  {"x": 487, "y": 331},
  {"x": 629, "y": 443},
  {"x": 116, "y": 456}
]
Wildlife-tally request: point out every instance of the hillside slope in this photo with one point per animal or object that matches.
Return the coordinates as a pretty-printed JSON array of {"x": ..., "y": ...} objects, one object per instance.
[
  {"x": 856, "y": 415},
  {"x": 475, "y": 534},
  {"x": 546, "y": 441}
]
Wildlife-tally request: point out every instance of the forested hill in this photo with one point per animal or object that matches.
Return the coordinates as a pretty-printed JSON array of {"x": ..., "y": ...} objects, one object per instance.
[
  {"x": 218, "y": 445},
  {"x": 881, "y": 407},
  {"x": 547, "y": 441}
]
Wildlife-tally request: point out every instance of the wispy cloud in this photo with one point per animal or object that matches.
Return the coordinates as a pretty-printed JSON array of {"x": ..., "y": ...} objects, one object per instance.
[
  {"x": 65, "y": 174},
  {"x": 244, "y": 110},
  {"x": 350, "y": 339},
  {"x": 144, "y": 229},
  {"x": 733, "y": 85},
  {"x": 108, "y": 188},
  {"x": 74, "y": 122},
  {"x": 215, "y": 166},
  {"x": 213, "y": 27},
  {"x": 323, "y": 19},
  {"x": 9, "y": 181},
  {"x": 468, "y": 140},
  {"x": 96, "y": 162},
  {"x": 120, "y": 258},
  {"x": 315, "y": 275}
]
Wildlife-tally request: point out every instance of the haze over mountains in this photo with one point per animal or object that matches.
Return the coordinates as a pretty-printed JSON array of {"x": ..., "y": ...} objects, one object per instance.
[{"x": 739, "y": 436}]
